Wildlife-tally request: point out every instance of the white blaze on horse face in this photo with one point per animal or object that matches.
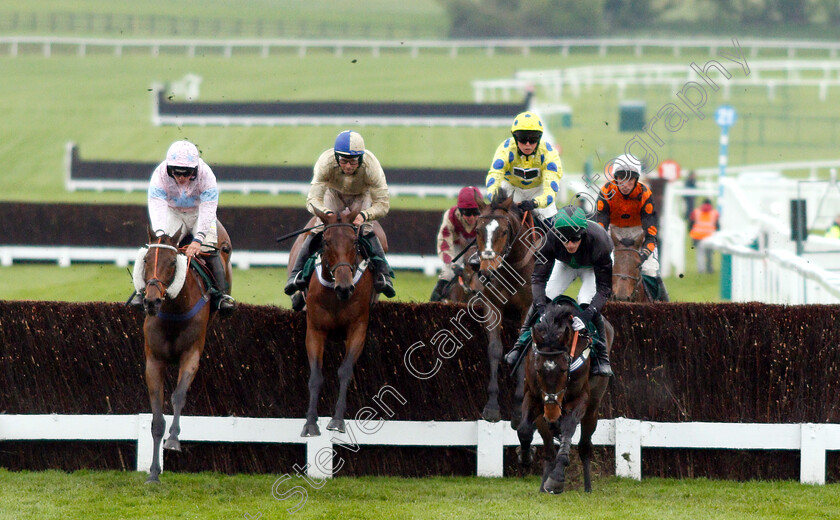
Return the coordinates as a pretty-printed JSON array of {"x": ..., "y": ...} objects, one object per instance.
[
  {"x": 491, "y": 228},
  {"x": 549, "y": 365}
]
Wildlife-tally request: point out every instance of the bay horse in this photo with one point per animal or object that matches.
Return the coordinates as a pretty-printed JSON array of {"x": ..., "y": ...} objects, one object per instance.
[
  {"x": 178, "y": 313},
  {"x": 560, "y": 394},
  {"x": 458, "y": 290},
  {"x": 339, "y": 298},
  {"x": 506, "y": 243},
  {"x": 627, "y": 284}
]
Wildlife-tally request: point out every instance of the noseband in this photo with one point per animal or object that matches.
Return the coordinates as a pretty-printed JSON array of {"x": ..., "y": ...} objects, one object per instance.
[
  {"x": 154, "y": 280},
  {"x": 550, "y": 398},
  {"x": 352, "y": 267}
]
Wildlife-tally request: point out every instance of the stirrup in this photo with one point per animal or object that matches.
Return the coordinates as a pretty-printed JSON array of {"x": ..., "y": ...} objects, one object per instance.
[
  {"x": 513, "y": 356},
  {"x": 384, "y": 286},
  {"x": 295, "y": 284}
]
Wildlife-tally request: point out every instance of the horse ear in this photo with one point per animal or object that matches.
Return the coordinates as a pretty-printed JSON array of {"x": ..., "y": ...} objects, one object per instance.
[
  {"x": 320, "y": 214},
  {"x": 177, "y": 237},
  {"x": 350, "y": 217},
  {"x": 149, "y": 235},
  {"x": 479, "y": 200},
  {"x": 505, "y": 205}
]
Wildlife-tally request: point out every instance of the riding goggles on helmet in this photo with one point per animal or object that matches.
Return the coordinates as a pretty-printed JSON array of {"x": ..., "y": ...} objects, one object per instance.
[
  {"x": 524, "y": 136},
  {"x": 469, "y": 212},
  {"x": 526, "y": 173},
  {"x": 181, "y": 171}
]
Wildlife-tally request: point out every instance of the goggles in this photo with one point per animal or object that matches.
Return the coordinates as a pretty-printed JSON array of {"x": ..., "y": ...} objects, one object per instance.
[
  {"x": 527, "y": 137},
  {"x": 181, "y": 171},
  {"x": 469, "y": 212},
  {"x": 348, "y": 159},
  {"x": 571, "y": 234}
]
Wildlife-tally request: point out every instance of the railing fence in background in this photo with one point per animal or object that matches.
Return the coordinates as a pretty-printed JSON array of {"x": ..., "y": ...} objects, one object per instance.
[
  {"x": 45, "y": 44},
  {"x": 628, "y": 436}
]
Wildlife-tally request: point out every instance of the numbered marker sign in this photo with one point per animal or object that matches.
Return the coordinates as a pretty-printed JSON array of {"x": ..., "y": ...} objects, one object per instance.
[
  {"x": 725, "y": 116},
  {"x": 669, "y": 170}
]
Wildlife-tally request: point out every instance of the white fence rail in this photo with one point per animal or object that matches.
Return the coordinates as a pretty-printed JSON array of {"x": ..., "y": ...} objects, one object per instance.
[
  {"x": 628, "y": 436},
  {"x": 46, "y": 45},
  {"x": 122, "y": 256},
  {"x": 554, "y": 84}
]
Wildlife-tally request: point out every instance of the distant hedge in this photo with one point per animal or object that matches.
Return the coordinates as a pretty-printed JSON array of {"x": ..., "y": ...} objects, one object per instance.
[
  {"x": 254, "y": 229},
  {"x": 673, "y": 362}
]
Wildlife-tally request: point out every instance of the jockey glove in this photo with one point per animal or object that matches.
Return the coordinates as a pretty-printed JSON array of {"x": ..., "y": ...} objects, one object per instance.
[
  {"x": 644, "y": 254},
  {"x": 527, "y": 205}
]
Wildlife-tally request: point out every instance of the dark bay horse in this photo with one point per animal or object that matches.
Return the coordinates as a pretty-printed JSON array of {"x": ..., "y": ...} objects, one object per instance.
[
  {"x": 177, "y": 316},
  {"x": 506, "y": 242},
  {"x": 559, "y": 395},
  {"x": 342, "y": 302},
  {"x": 627, "y": 285}
]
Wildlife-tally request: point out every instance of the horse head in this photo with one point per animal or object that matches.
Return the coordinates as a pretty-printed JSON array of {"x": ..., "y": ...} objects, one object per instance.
[
  {"x": 627, "y": 278},
  {"x": 550, "y": 358},
  {"x": 160, "y": 272},
  {"x": 496, "y": 231},
  {"x": 339, "y": 258}
]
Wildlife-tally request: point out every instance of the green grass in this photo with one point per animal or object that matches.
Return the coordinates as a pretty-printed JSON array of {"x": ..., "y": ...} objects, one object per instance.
[
  {"x": 111, "y": 495},
  {"x": 101, "y": 102}
]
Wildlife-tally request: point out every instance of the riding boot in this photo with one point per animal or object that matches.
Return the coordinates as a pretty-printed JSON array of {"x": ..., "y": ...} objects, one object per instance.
[
  {"x": 524, "y": 336},
  {"x": 600, "y": 358},
  {"x": 437, "y": 292},
  {"x": 381, "y": 272},
  {"x": 663, "y": 292},
  {"x": 296, "y": 282},
  {"x": 224, "y": 301}
]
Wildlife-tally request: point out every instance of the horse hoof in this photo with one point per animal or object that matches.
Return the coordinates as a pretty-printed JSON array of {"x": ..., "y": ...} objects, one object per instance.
[
  {"x": 172, "y": 444},
  {"x": 491, "y": 414},
  {"x": 336, "y": 425},
  {"x": 153, "y": 479},
  {"x": 554, "y": 487},
  {"x": 310, "y": 430},
  {"x": 525, "y": 458}
]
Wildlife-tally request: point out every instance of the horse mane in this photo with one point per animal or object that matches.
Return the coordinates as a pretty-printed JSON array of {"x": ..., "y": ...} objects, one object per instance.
[
  {"x": 499, "y": 198},
  {"x": 553, "y": 324}
]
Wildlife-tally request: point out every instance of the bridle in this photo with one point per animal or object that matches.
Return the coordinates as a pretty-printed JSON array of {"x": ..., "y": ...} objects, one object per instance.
[
  {"x": 353, "y": 267},
  {"x": 553, "y": 398},
  {"x": 508, "y": 241},
  {"x": 154, "y": 280}
]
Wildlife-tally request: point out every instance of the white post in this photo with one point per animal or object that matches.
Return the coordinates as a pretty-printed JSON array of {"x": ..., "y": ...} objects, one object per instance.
[
  {"x": 628, "y": 448},
  {"x": 490, "y": 449},
  {"x": 319, "y": 452},
  {"x": 812, "y": 459},
  {"x": 145, "y": 444}
]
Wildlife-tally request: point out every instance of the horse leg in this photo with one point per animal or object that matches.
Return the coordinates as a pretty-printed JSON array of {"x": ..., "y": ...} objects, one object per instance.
[
  {"x": 491, "y": 411},
  {"x": 525, "y": 432},
  {"x": 186, "y": 374},
  {"x": 557, "y": 477},
  {"x": 354, "y": 344},
  {"x": 549, "y": 451},
  {"x": 315, "y": 340},
  {"x": 154, "y": 382},
  {"x": 518, "y": 395},
  {"x": 598, "y": 384}
]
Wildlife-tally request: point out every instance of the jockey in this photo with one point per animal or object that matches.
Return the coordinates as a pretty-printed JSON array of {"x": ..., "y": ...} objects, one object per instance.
[
  {"x": 456, "y": 232},
  {"x": 581, "y": 249},
  {"x": 626, "y": 202},
  {"x": 348, "y": 177},
  {"x": 527, "y": 166},
  {"x": 183, "y": 196}
]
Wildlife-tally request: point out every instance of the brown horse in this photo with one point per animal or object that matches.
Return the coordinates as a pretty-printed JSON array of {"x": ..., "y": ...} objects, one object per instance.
[
  {"x": 506, "y": 242},
  {"x": 627, "y": 285},
  {"x": 341, "y": 302},
  {"x": 559, "y": 395},
  {"x": 458, "y": 290},
  {"x": 175, "y": 329}
]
